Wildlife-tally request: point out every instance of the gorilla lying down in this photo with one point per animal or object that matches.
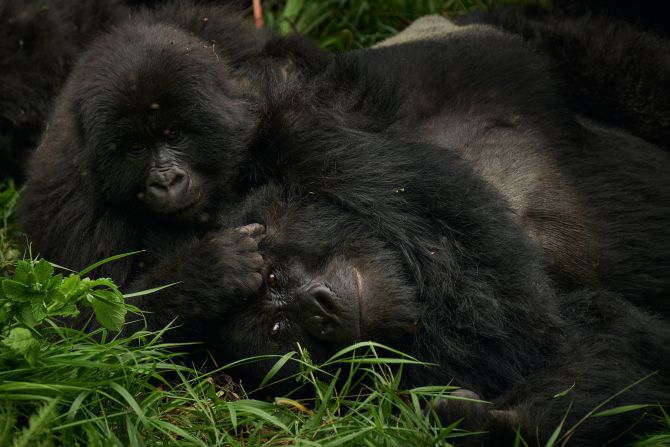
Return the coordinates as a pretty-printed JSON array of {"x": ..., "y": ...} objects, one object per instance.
[
  {"x": 303, "y": 271},
  {"x": 447, "y": 248},
  {"x": 186, "y": 133}
]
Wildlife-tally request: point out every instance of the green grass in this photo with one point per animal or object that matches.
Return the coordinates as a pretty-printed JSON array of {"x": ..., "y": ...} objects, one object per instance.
[
  {"x": 9, "y": 234},
  {"x": 341, "y": 25},
  {"x": 61, "y": 386}
]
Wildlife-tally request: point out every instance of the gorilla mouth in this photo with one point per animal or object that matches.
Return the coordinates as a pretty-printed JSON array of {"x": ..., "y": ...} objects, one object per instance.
[
  {"x": 179, "y": 204},
  {"x": 358, "y": 281},
  {"x": 190, "y": 203}
]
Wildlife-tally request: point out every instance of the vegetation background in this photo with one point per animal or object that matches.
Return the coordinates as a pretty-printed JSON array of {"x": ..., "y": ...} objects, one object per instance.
[{"x": 60, "y": 386}]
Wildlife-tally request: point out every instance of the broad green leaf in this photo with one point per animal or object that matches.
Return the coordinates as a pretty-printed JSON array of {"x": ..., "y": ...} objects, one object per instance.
[
  {"x": 26, "y": 316},
  {"x": 39, "y": 310},
  {"x": 43, "y": 271},
  {"x": 109, "y": 309},
  {"x": 24, "y": 272},
  {"x": 21, "y": 341},
  {"x": 68, "y": 311},
  {"x": 55, "y": 282},
  {"x": 18, "y": 292},
  {"x": 70, "y": 285}
]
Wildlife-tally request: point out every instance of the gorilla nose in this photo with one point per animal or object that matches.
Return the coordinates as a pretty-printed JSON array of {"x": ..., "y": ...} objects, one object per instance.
[
  {"x": 164, "y": 189},
  {"x": 319, "y": 311}
]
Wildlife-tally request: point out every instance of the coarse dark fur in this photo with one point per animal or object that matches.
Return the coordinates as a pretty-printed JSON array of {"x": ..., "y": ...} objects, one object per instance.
[
  {"x": 613, "y": 71},
  {"x": 329, "y": 281},
  {"x": 39, "y": 41},
  {"x": 589, "y": 197},
  {"x": 452, "y": 228},
  {"x": 152, "y": 121},
  {"x": 594, "y": 198}
]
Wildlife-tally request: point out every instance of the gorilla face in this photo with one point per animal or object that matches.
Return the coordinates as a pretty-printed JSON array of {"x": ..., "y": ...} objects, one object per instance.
[
  {"x": 328, "y": 282},
  {"x": 157, "y": 110}
]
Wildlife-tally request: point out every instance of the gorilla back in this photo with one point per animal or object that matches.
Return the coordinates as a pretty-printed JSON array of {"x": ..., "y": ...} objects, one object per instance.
[
  {"x": 329, "y": 281},
  {"x": 595, "y": 199}
]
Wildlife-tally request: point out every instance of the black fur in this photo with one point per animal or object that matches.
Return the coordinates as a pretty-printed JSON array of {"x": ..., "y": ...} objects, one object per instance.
[
  {"x": 181, "y": 98},
  {"x": 495, "y": 184},
  {"x": 511, "y": 342},
  {"x": 593, "y": 198},
  {"x": 39, "y": 41},
  {"x": 612, "y": 70}
]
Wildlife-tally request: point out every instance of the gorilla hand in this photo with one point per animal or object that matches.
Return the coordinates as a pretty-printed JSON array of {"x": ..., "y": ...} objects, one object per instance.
[{"x": 209, "y": 275}]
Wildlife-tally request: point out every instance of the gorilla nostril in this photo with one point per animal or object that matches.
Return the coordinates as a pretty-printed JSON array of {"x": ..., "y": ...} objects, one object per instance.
[
  {"x": 325, "y": 297},
  {"x": 321, "y": 315},
  {"x": 317, "y": 299},
  {"x": 176, "y": 178},
  {"x": 162, "y": 182}
]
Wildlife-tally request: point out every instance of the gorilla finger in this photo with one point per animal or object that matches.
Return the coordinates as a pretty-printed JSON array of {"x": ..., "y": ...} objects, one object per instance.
[
  {"x": 252, "y": 230},
  {"x": 256, "y": 260},
  {"x": 247, "y": 244},
  {"x": 253, "y": 261}
]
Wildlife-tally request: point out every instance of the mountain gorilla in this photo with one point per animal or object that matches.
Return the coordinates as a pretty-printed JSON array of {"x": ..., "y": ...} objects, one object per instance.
[
  {"x": 189, "y": 117},
  {"x": 328, "y": 281},
  {"x": 40, "y": 41},
  {"x": 149, "y": 127},
  {"x": 158, "y": 138},
  {"x": 592, "y": 197}
]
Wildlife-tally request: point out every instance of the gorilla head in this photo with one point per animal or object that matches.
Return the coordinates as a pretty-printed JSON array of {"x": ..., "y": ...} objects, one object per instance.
[
  {"x": 328, "y": 282},
  {"x": 157, "y": 108}
]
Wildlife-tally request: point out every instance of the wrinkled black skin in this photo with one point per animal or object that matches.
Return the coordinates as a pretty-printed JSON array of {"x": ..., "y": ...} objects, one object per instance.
[
  {"x": 594, "y": 198},
  {"x": 590, "y": 342},
  {"x": 612, "y": 70}
]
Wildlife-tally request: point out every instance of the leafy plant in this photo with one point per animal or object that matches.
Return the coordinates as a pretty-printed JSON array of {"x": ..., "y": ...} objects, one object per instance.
[{"x": 8, "y": 231}]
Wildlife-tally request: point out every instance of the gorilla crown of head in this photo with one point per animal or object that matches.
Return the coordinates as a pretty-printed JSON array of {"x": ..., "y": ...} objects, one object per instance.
[{"x": 160, "y": 112}]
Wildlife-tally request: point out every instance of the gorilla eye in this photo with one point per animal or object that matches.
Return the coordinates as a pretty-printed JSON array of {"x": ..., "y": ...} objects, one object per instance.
[
  {"x": 272, "y": 281},
  {"x": 276, "y": 329},
  {"x": 137, "y": 147},
  {"x": 171, "y": 134}
]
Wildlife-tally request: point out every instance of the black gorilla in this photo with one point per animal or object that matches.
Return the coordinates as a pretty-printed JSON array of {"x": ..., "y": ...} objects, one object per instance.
[
  {"x": 172, "y": 118},
  {"x": 158, "y": 145},
  {"x": 329, "y": 281},
  {"x": 592, "y": 197},
  {"x": 151, "y": 123},
  {"x": 40, "y": 41}
]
